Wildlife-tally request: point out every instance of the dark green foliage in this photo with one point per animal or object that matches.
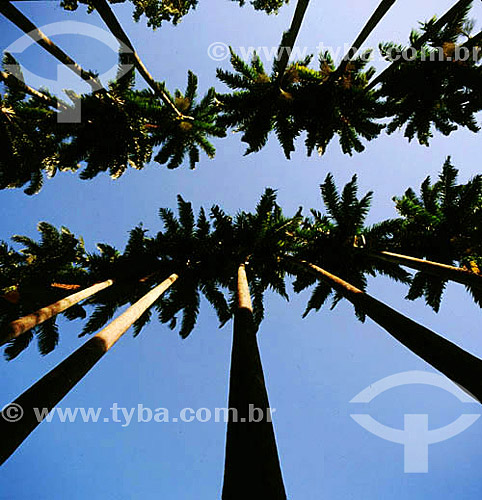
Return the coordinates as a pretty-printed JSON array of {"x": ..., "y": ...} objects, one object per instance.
[
  {"x": 434, "y": 89},
  {"x": 442, "y": 224},
  {"x": 331, "y": 240},
  {"x": 157, "y": 11},
  {"x": 260, "y": 241},
  {"x": 179, "y": 137},
  {"x": 185, "y": 247},
  {"x": 320, "y": 103},
  {"x": 117, "y": 128},
  {"x": 111, "y": 134},
  {"x": 192, "y": 249},
  {"x": 28, "y": 280},
  {"x": 29, "y": 139}
]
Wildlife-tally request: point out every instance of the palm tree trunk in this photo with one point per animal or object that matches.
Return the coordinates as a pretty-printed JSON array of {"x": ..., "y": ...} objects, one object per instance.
[
  {"x": 252, "y": 467},
  {"x": 461, "y": 4},
  {"x": 54, "y": 386},
  {"x": 52, "y": 102},
  {"x": 442, "y": 271},
  {"x": 19, "y": 326},
  {"x": 289, "y": 38},
  {"x": 372, "y": 23},
  {"x": 458, "y": 365},
  {"x": 22, "y": 22},
  {"x": 117, "y": 31}
]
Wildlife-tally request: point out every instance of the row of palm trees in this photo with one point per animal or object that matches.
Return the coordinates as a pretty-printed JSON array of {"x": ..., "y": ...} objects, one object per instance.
[
  {"x": 122, "y": 127},
  {"x": 232, "y": 261}
]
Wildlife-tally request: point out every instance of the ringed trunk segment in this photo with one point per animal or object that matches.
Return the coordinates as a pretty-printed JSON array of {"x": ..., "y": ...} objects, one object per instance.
[
  {"x": 22, "y": 325},
  {"x": 23, "y": 23},
  {"x": 116, "y": 29},
  {"x": 442, "y": 271},
  {"x": 458, "y": 365},
  {"x": 252, "y": 467},
  {"x": 371, "y": 24},
  {"x": 244, "y": 296},
  {"x": 56, "y": 384},
  {"x": 461, "y": 4}
]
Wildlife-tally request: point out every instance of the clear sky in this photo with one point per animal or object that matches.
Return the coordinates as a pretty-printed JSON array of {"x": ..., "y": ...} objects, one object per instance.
[{"x": 313, "y": 367}]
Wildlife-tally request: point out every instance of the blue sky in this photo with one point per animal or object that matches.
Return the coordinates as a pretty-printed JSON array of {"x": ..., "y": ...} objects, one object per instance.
[{"x": 313, "y": 367}]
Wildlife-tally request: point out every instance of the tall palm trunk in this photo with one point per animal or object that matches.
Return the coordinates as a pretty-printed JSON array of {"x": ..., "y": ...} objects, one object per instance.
[
  {"x": 461, "y": 4},
  {"x": 252, "y": 467},
  {"x": 22, "y": 22},
  {"x": 19, "y": 326},
  {"x": 458, "y": 365},
  {"x": 442, "y": 271},
  {"x": 289, "y": 38},
  {"x": 116, "y": 29},
  {"x": 54, "y": 386},
  {"x": 371, "y": 24}
]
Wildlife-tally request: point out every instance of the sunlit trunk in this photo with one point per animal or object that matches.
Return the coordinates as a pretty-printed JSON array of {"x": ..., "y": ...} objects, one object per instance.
[
  {"x": 252, "y": 467},
  {"x": 116, "y": 29},
  {"x": 458, "y": 365},
  {"x": 54, "y": 386},
  {"x": 19, "y": 326},
  {"x": 15, "y": 82},
  {"x": 442, "y": 271},
  {"x": 23, "y": 23}
]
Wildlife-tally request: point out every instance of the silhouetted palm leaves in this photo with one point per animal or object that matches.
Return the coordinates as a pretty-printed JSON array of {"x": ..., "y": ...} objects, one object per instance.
[
  {"x": 41, "y": 273},
  {"x": 439, "y": 87},
  {"x": 442, "y": 224}
]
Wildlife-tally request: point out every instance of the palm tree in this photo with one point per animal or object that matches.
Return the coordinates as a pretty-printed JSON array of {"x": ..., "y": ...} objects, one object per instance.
[
  {"x": 26, "y": 280},
  {"x": 252, "y": 462},
  {"x": 22, "y": 325},
  {"x": 184, "y": 245},
  {"x": 310, "y": 101},
  {"x": 251, "y": 245},
  {"x": 180, "y": 138},
  {"x": 441, "y": 225},
  {"x": 14, "y": 79},
  {"x": 54, "y": 386},
  {"x": 188, "y": 130},
  {"x": 433, "y": 89},
  {"x": 155, "y": 12},
  {"x": 112, "y": 134},
  {"x": 417, "y": 43},
  {"x": 342, "y": 275},
  {"x": 458, "y": 365},
  {"x": 115, "y": 28}
]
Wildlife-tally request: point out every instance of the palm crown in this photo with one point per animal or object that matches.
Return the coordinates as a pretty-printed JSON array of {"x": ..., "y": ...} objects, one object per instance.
[{"x": 322, "y": 103}]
